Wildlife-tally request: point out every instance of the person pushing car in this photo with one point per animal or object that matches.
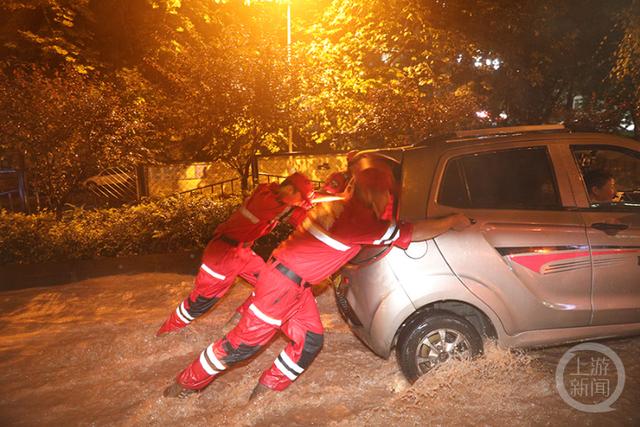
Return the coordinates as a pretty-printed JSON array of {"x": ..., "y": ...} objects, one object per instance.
[
  {"x": 329, "y": 237},
  {"x": 229, "y": 253}
]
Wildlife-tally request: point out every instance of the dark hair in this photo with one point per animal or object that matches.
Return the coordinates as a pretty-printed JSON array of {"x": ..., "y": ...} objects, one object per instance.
[{"x": 596, "y": 178}]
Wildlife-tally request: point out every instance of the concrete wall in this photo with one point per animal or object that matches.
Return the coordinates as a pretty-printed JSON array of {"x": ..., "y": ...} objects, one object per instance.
[
  {"x": 170, "y": 179},
  {"x": 316, "y": 166}
]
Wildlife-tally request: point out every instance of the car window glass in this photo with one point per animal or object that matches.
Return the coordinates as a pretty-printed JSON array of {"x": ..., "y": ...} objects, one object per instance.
[
  {"x": 509, "y": 179},
  {"x": 611, "y": 175}
]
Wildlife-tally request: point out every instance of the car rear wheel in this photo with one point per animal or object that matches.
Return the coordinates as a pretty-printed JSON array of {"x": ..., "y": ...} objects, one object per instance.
[{"x": 433, "y": 338}]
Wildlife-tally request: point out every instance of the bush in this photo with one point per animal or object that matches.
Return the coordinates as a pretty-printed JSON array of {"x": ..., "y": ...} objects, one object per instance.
[{"x": 167, "y": 225}]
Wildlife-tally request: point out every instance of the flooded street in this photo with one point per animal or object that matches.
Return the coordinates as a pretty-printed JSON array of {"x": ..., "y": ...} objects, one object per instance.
[{"x": 85, "y": 354}]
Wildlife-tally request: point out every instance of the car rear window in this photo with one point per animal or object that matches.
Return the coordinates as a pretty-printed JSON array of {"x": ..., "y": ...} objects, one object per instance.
[{"x": 508, "y": 179}]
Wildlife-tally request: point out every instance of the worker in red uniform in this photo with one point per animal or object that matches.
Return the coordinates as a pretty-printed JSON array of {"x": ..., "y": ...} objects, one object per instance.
[
  {"x": 336, "y": 183},
  {"x": 229, "y": 253},
  {"x": 331, "y": 235}
]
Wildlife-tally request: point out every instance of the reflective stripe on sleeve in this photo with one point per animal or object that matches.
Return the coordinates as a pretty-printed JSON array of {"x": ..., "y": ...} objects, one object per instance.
[
  {"x": 264, "y": 317},
  {"x": 388, "y": 234},
  {"x": 247, "y": 214},
  {"x": 284, "y": 370},
  {"x": 213, "y": 273},
  {"x": 391, "y": 235},
  {"x": 321, "y": 235},
  {"x": 290, "y": 363}
]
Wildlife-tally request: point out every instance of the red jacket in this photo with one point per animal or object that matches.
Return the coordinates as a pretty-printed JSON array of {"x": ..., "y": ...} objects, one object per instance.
[
  {"x": 259, "y": 214},
  {"x": 314, "y": 253}
]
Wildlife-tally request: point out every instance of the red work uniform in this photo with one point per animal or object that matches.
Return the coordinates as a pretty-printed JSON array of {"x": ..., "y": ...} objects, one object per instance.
[
  {"x": 229, "y": 253},
  {"x": 284, "y": 300},
  {"x": 336, "y": 183}
]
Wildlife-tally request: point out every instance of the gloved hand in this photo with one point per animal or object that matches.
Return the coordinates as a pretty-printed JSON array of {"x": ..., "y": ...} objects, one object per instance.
[{"x": 306, "y": 205}]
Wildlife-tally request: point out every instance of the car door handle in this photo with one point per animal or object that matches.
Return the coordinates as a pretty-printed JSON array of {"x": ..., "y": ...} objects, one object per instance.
[{"x": 607, "y": 227}]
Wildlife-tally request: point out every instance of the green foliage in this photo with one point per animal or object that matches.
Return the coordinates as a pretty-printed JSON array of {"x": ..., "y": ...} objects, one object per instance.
[
  {"x": 44, "y": 32},
  {"x": 549, "y": 52},
  {"x": 626, "y": 71},
  {"x": 225, "y": 68},
  {"x": 378, "y": 73},
  {"x": 65, "y": 126},
  {"x": 117, "y": 81},
  {"x": 166, "y": 225}
]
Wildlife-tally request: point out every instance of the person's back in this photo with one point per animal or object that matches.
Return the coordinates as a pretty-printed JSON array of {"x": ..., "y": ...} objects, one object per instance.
[
  {"x": 257, "y": 216},
  {"x": 318, "y": 250}
]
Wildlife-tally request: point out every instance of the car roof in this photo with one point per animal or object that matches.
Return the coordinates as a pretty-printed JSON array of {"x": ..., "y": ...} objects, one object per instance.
[{"x": 481, "y": 137}]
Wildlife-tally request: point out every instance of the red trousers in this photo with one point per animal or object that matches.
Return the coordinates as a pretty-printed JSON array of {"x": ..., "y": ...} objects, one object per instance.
[
  {"x": 279, "y": 304},
  {"x": 221, "y": 264}
]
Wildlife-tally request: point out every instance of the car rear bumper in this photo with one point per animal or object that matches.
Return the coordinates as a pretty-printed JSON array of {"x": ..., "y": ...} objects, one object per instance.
[
  {"x": 373, "y": 304},
  {"x": 348, "y": 314}
]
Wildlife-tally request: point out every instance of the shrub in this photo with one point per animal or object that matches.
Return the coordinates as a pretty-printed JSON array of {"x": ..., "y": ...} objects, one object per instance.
[{"x": 167, "y": 225}]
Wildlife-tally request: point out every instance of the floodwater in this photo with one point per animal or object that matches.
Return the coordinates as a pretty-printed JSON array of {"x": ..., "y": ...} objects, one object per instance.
[{"x": 86, "y": 354}]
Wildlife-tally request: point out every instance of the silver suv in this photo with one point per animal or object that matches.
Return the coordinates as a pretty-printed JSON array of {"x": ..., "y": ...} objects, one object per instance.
[{"x": 543, "y": 264}]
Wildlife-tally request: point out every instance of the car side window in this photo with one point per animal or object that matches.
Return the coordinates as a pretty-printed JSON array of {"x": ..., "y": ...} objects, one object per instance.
[
  {"x": 611, "y": 175},
  {"x": 507, "y": 179}
]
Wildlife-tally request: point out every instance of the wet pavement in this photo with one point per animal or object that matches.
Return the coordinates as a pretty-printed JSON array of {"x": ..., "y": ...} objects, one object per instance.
[{"x": 85, "y": 354}]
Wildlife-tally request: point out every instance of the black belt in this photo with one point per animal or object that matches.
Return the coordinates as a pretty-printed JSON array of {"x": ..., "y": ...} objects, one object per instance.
[
  {"x": 233, "y": 242},
  {"x": 290, "y": 274}
]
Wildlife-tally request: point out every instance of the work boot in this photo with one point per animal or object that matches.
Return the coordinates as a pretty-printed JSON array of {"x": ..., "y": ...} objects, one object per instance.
[
  {"x": 231, "y": 323},
  {"x": 171, "y": 325},
  {"x": 259, "y": 390},
  {"x": 176, "y": 390}
]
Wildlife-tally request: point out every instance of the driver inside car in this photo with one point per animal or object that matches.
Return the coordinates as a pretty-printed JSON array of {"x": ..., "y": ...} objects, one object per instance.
[{"x": 601, "y": 186}]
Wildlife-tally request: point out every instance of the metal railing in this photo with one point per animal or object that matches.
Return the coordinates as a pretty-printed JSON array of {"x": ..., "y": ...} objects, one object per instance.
[
  {"x": 280, "y": 178},
  {"x": 13, "y": 202},
  {"x": 271, "y": 177},
  {"x": 115, "y": 183},
  {"x": 220, "y": 185},
  {"x": 10, "y": 200}
]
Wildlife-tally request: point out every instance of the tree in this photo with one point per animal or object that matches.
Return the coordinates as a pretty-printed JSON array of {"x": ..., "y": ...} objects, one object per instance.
[
  {"x": 377, "y": 73},
  {"x": 65, "y": 125},
  {"x": 224, "y": 71},
  {"x": 45, "y": 32},
  {"x": 548, "y": 52},
  {"x": 626, "y": 71}
]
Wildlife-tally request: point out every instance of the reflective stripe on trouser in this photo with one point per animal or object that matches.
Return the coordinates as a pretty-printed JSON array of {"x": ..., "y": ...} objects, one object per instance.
[
  {"x": 200, "y": 373},
  {"x": 304, "y": 330},
  {"x": 277, "y": 300},
  {"x": 226, "y": 266},
  {"x": 202, "y": 370},
  {"x": 221, "y": 263}
]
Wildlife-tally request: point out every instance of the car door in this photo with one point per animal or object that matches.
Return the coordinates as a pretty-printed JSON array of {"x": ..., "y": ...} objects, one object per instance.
[
  {"x": 613, "y": 227},
  {"x": 527, "y": 256}
]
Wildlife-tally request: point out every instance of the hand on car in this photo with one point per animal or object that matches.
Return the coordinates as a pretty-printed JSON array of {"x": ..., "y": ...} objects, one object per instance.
[{"x": 459, "y": 221}]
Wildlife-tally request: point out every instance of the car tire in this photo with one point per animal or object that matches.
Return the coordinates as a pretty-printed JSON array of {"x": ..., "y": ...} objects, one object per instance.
[{"x": 413, "y": 352}]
